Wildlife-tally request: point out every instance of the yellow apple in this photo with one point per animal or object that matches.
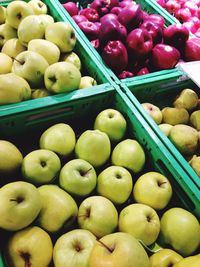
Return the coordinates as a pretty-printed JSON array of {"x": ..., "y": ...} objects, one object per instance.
[
  {"x": 164, "y": 258},
  {"x": 5, "y": 63}
]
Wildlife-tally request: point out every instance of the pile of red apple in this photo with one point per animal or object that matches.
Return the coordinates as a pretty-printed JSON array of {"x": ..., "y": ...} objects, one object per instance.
[
  {"x": 131, "y": 41},
  {"x": 187, "y": 12}
]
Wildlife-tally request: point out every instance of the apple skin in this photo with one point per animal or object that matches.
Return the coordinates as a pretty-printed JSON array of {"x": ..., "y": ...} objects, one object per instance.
[
  {"x": 192, "y": 261},
  {"x": 183, "y": 14},
  {"x": 89, "y": 147},
  {"x": 129, "y": 154},
  {"x": 125, "y": 74},
  {"x": 40, "y": 166},
  {"x": 2, "y": 14},
  {"x": 72, "y": 57},
  {"x": 103, "y": 6},
  {"x": 92, "y": 213},
  {"x": 157, "y": 19},
  {"x": 164, "y": 57},
  {"x": 115, "y": 183},
  {"x": 79, "y": 18},
  {"x": 79, "y": 243},
  {"x": 192, "y": 49},
  {"x": 90, "y": 29},
  {"x": 7, "y": 63},
  {"x": 90, "y": 13},
  {"x": 141, "y": 221},
  {"x": 20, "y": 205},
  {"x": 71, "y": 8},
  {"x": 115, "y": 55},
  {"x": 59, "y": 210},
  {"x": 164, "y": 258},
  {"x": 153, "y": 189},
  {"x": 38, "y": 7},
  {"x": 181, "y": 230},
  {"x": 78, "y": 177},
  {"x": 7, "y": 32},
  {"x": 172, "y": 6},
  {"x": 31, "y": 246},
  {"x": 13, "y": 47},
  {"x": 116, "y": 10},
  {"x": 155, "y": 31},
  {"x": 86, "y": 82},
  {"x": 118, "y": 249},
  {"x": 112, "y": 122},
  {"x": 39, "y": 93},
  {"x": 154, "y": 112},
  {"x": 59, "y": 138}
]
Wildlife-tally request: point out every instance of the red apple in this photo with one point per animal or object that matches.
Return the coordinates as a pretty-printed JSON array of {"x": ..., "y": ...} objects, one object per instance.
[
  {"x": 79, "y": 18},
  {"x": 103, "y": 6},
  {"x": 164, "y": 57},
  {"x": 190, "y": 26},
  {"x": 95, "y": 43},
  {"x": 90, "y": 13},
  {"x": 161, "y": 3},
  {"x": 172, "y": 6},
  {"x": 71, "y": 8},
  {"x": 155, "y": 30},
  {"x": 108, "y": 17},
  {"x": 176, "y": 35},
  {"x": 90, "y": 29},
  {"x": 157, "y": 19},
  {"x": 196, "y": 22},
  {"x": 115, "y": 55},
  {"x": 125, "y": 3},
  {"x": 183, "y": 14},
  {"x": 125, "y": 74},
  {"x": 192, "y": 7},
  {"x": 115, "y": 10},
  {"x": 142, "y": 71},
  {"x": 192, "y": 49}
]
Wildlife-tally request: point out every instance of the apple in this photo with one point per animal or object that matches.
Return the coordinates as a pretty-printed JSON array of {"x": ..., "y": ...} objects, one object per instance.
[
  {"x": 46, "y": 19},
  {"x": 26, "y": 31},
  {"x": 71, "y": 8},
  {"x": 181, "y": 230},
  {"x": 90, "y": 13},
  {"x": 115, "y": 55},
  {"x": 16, "y": 11},
  {"x": 165, "y": 128},
  {"x": 72, "y": 57},
  {"x": 157, "y": 19},
  {"x": 10, "y": 158},
  {"x": 125, "y": 74},
  {"x": 79, "y": 18},
  {"x": 90, "y": 29},
  {"x": 98, "y": 215},
  {"x": 111, "y": 122},
  {"x": 155, "y": 31},
  {"x": 115, "y": 183},
  {"x": 125, "y": 3},
  {"x": 40, "y": 166},
  {"x": 116, "y": 10},
  {"x": 6, "y": 32},
  {"x": 12, "y": 47},
  {"x": 79, "y": 243},
  {"x": 108, "y": 17},
  {"x": 154, "y": 112},
  {"x": 172, "y": 6},
  {"x": 183, "y": 14},
  {"x": 38, "y": 7},
  {"x": 39, "y": 93},
  {"x": 103, "y": 6},
  {"x": 139, "y": 43},
  {"x": 20, "y": 205},
  {"x": 86, "y": 82},
  {"x": 58, "y": 211},
  {"x": 31, "y": 246},
  {"x": 78, "y": 177},
  {"x": 129, "y": 154},
  {"x": 192, "y": 49},
  {"x": 96, "y": 44},
  {"x": 164, "y": 57},
  {"x": 31, "y": 66},
  {"x": 190, "y": 25},
  {"x": 192, "y": 261},
  {"x": 142, "y": 71},
  {"x": 46, "y": 49},
  {"x": 195, "y": 119},
  {"x": 59, "y": 138},
  {"x": 141, "y": 221},
  {"x": 187, "y": 99},
  {"x": 153, "y": 189},
  {"x": 2, "y": 15},
  {"x": 61, "y": 34},
  {"x": 6, "y": 63},
  {"x": 62, "y": 77},
  {"x": 89, "y": 147},
  {"x": 118, "y": 249},
  {"x": 164, "y": 257}
]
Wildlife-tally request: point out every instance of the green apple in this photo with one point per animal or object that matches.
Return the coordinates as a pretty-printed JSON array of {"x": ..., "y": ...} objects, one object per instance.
[
  {"x": 2, "y": 14},
  {"x": 6, "y": 63},
  {"x": 153, "y": 111},
  {"x": 20, "y": 205},
  {"x": 46, "y": 49},
  {"x": 195, "y": 119},
  {"x": 111, "y": 122},
  {"x": 87, "y": 81},
  {"x": 16, "y": 11},
  {"x": 93, "y": 146},
  {"x": 187, "y": 99},
  {"x": 129, "y": 154},
  {"x": 59, "y": 138},
  {"x": 40, "y": 166},
  {"x": 6, "y": 32},
  {"x": 31, "y": 246},
  {"x": 13, "y": 89},
  {"x": 62, "y": 77},
  {"x": 61, "y": 34},
  {"x": 30, "y": 28},
  {"x": 31, "y": 66},
  {"x": 46, "y": 19},
  {"x": 164, "y": 258},
  {"x": 165, "y": 128},
  {"x": 13, "y": 47},
  {"x": 118, "y": 250},
  {"x": 115, "y": 183},
  {"x": 72, "y": 57},
  {"x": 78, "y": 177},
  {"x": 73, "y": 249},
  {"x": 181, "y": 230},
  {"x": 10, "y": 158},
  {"x": 98, "y": 215},
  {"x": 192, "y": 261},
  {"x": 174, "y": 116},
  {"x": 153, "y": 189},
  {"x": 195, "y": 163},
  {"x": 59, "y": 210},
  {"x": 38, "y": 7},
  {"x": 141, "y": 221},
  {"x": 39, "y": 93}
]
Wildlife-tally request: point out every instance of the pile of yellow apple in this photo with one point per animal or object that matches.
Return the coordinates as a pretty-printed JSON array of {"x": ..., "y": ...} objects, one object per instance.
[
  {"x": 180, "y": 122},
  {"x": 37, "y": 57},
  {"x": 88, "y": 199}
]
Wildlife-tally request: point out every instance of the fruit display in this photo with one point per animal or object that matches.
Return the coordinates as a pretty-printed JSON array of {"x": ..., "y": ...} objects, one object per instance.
[
  {"x": 133, "y": 41},
  {"x": 86, "y": 192}
]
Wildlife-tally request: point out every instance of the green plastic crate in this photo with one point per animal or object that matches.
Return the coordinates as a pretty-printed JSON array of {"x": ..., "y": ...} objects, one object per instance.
[
  {"x": 161, "y": 91},
  {"x": 16, "y": 117},
  {"x": 147, "y": 5},
  {"x": 81, "y": 117}
]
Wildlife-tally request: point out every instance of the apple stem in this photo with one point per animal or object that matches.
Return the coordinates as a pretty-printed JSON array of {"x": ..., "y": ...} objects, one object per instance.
[
  {"x": 17, "y": 60},
  {"x": 26, "y": 258},
  {"x": 109, "y": 249}
]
